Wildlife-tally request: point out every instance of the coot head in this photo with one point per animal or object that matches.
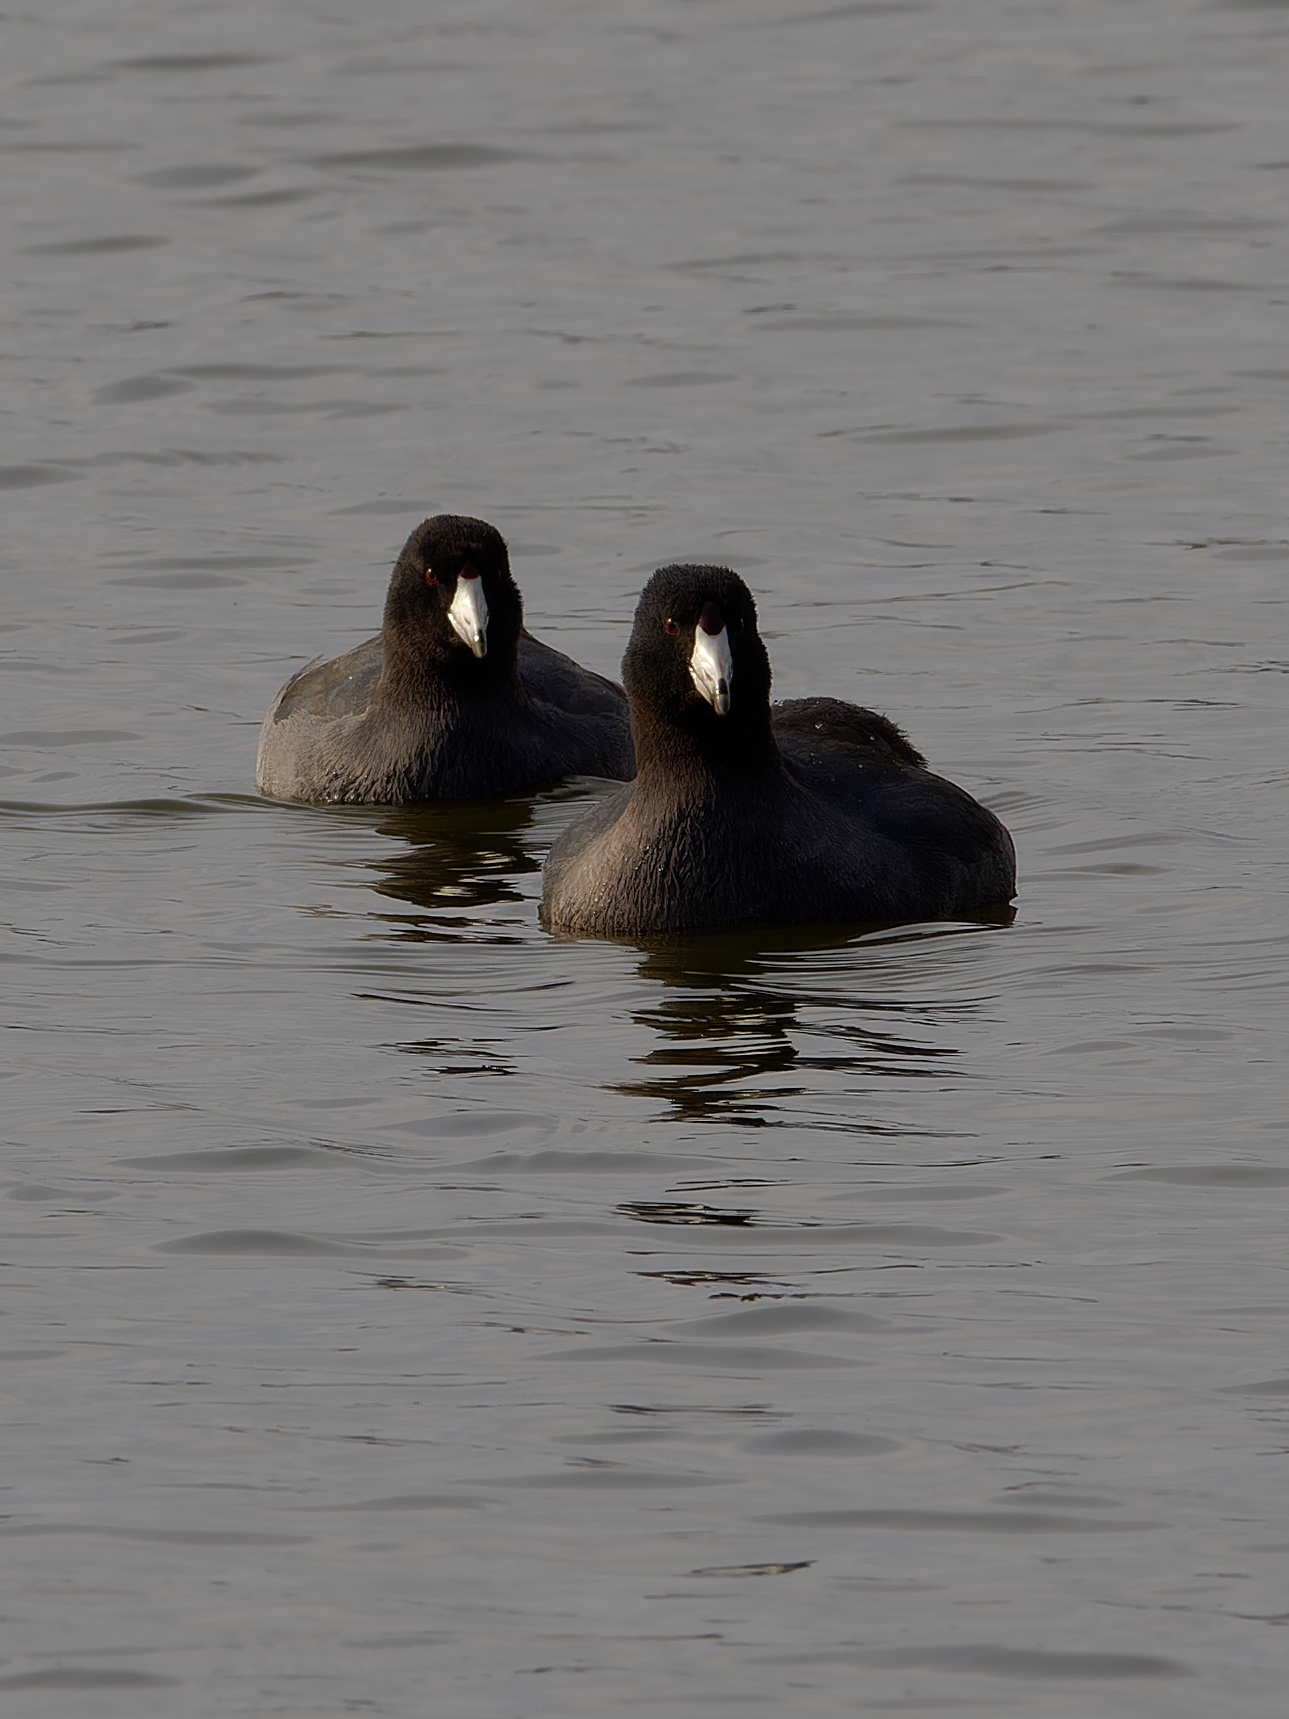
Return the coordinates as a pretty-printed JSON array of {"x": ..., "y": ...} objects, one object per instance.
[
  {"x": 696, "y": 662},
  {"x": 452, "y": 601}
]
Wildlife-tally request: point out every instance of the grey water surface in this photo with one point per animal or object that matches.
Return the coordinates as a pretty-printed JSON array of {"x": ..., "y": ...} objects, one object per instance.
[{"x": 404, "y": 1312}]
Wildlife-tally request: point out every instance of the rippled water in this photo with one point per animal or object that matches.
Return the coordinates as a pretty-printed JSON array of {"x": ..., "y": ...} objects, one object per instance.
[{"x": 407, "y": 1312}]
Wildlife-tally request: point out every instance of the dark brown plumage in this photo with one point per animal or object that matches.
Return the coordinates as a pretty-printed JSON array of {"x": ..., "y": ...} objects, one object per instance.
[
  {"x": 453, "y": 700},
  {"x": 814, "y": 810}
]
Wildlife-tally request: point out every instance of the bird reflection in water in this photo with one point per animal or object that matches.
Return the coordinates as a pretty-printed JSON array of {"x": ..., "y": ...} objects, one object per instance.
[
  {"x": 460, "y": 864},
  {"x": 457, "y": 873},
  {"x": 746, "y": 1034}
]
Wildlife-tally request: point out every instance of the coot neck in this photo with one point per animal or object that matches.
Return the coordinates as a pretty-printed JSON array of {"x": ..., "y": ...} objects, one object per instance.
[
  {"x": 434, "y": 673},
  {"x": 705, "y": 759}
]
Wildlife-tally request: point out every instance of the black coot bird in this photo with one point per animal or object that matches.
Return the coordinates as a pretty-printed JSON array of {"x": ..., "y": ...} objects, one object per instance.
[
  {"x": 740, "y": 814},
  {"x": 453, "y": 701}
]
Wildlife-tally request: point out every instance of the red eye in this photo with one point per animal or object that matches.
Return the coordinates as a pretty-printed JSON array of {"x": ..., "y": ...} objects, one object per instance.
[
  {"x": 669, "y": 626},
  {"x": 431, "y": 577}
]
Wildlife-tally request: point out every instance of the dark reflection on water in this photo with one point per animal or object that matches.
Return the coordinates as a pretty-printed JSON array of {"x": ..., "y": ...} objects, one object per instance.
[
  {"x": 461, "y": 859},
  {"x": 740, "y": 1044},
  {"x": 683, "y": 1212}
]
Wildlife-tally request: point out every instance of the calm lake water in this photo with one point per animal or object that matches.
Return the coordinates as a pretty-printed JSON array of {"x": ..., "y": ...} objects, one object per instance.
[{"x": 408, "y": 1313}]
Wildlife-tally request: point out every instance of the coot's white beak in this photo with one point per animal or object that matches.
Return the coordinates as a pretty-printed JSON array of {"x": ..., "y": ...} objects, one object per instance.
[
  {"x": 469, "y": 613},
  {"x": 711, "y": 667}
]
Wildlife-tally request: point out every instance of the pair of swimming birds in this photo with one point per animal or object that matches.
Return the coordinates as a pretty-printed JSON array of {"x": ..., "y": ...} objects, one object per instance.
[{"x": 740, "y": 812}]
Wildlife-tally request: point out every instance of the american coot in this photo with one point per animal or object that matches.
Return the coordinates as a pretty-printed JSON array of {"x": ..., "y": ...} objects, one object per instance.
[
  {"x": 453, "y": 701},
  {"x": 815, "y": 810}
]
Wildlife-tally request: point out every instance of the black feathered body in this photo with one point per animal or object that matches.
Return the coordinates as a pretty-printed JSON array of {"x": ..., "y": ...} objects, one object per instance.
[
  {"x": 814, "y": 810},
  {"x": 413, "y": 715}
]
